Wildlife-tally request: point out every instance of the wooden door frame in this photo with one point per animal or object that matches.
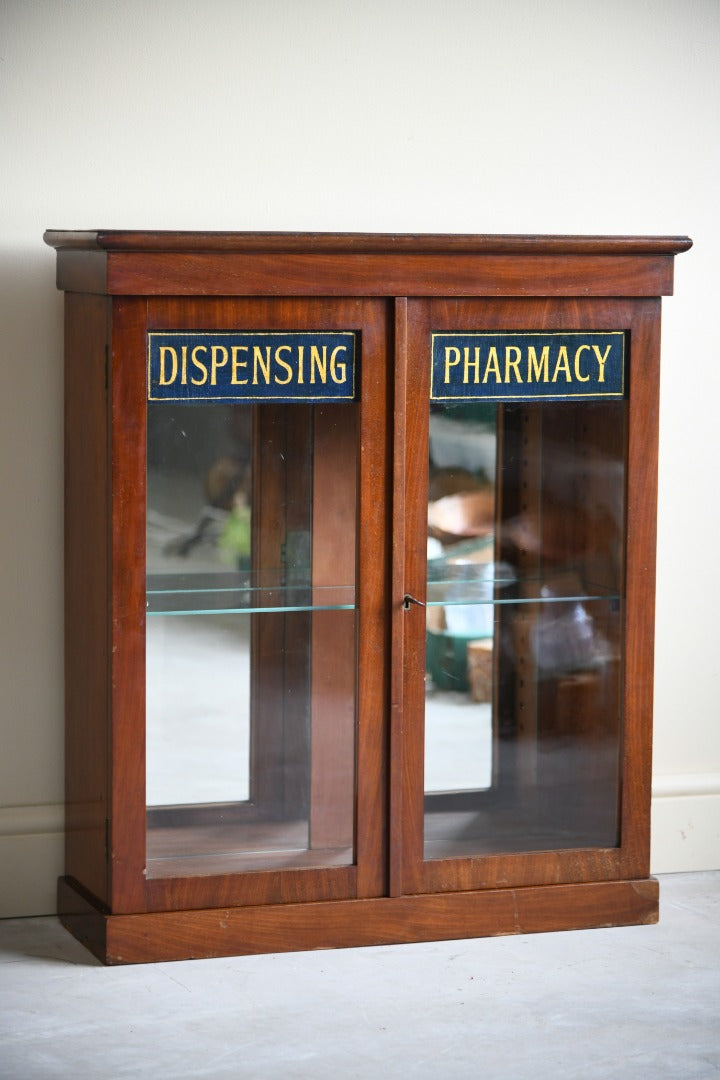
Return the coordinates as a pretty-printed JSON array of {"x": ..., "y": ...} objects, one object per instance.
[
  {"x": 639, "y": 318},
  {"x": 129, "y": 891}
]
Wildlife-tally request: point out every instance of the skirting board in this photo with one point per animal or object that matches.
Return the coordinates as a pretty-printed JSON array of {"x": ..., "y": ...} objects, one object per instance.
[
  {"x": 31, "y": 862},
  {"x": 685, "y": 824},
  {"x": 186, "y": 935}
]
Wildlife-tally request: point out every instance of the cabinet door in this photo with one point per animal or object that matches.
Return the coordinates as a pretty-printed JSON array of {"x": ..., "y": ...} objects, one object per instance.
[
  {"x": 250, "y": 579},
  {"x": 529, "y": 493}
]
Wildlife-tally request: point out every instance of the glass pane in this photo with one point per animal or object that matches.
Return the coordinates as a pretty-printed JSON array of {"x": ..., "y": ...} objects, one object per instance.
[
  {"x": 250, "y": 641},
  {"x": 458, "y": 721},
  {"x": 524, "y": 627}
]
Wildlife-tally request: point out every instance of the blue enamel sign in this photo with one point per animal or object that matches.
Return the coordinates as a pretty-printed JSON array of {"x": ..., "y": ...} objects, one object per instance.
[
  {"x": 553, "y": 366},
  {"x": 251, "y": 366}
]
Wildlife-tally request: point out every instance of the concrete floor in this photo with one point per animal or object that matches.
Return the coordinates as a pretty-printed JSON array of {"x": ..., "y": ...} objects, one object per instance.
[{"x": 630, "y": 1003}]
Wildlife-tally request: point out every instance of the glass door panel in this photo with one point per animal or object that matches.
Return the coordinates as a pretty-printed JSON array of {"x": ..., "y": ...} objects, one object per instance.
[
  {"x": 524, "y": 626},
  {"x": 251, "y": 637}
]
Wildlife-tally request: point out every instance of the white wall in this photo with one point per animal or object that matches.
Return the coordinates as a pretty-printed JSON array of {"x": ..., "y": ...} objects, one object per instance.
[{"x": 595, "y": 116}]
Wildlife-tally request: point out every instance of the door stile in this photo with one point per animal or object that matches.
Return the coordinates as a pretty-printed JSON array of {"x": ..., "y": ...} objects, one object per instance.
[
  {"x": 415, "y": 489},
  {"x": 641, "y": 533},
  {"x": 397, "y": 664},
  {"x": 373, "y": 686}
]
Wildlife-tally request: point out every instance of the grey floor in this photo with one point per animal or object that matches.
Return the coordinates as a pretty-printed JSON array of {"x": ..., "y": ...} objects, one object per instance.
[{"x": 632, "y": 1002}]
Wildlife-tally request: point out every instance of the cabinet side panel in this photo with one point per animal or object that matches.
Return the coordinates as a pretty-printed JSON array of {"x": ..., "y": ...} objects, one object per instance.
[
  {"x": 128, "y": 462},
  {"x": 86, "y": 591}
]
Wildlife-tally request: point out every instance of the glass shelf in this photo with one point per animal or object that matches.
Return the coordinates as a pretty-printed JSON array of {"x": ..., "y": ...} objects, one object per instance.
[
  {"x": 241, "y": 593},
  {"x": 491, "y": 583}
]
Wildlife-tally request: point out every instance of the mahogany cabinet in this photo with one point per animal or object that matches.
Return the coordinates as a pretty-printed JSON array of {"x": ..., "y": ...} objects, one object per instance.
[{"x": 360, "y": 537}]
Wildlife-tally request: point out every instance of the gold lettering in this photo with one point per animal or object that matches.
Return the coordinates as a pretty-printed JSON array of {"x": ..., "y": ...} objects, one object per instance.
[
  {"x": 601, "y": 360},
  {"x": 514, "y": 364},
  {"x": 474, "y": 364},
  {"x": 301, "y": 355},
  {"x": 167, "y": 349},
  {"x": 338, "y": 370},
  {"x": 215, "y": 351},
  {"x": 199, "y": 365},
  {"x": 318, "y": 364},
  {"x": 538, "y": 369},
  {"x": 262, "y": 362},
  {"x": 563, "y": 364},
  {"x": 183, "y": 365},
  {"x": 236, "y": 364},
  {"x": 450, "y": 363},
  {"x": 283, "y": 364},
  {"x": 578, "y": 376},
  {"x": 493, "y": 364}
]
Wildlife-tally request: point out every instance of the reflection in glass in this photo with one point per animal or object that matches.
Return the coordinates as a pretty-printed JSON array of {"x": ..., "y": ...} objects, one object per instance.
[
  {"x": 524, "y": 627},
  {"x": 198, "y": 730},
  {"x": 458, "y": 722},
  {"x": 250, "y": 639}
]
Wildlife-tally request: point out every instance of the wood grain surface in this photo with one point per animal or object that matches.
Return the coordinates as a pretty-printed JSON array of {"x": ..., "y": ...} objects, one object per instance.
[{"x": 393, "y": 290}]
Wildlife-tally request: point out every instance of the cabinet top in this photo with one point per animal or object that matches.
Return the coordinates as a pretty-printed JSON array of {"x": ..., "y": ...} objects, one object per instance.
[
  {"x": 135, "y": 263},
  {"x": 360, "y": 243}
]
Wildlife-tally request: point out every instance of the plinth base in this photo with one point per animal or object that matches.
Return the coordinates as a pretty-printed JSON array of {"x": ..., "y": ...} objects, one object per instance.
[{"x": 213, "y": 932}]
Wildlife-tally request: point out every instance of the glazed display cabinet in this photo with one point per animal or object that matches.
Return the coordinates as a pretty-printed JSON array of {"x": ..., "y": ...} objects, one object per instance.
[{"x": 360, "y": 537}]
